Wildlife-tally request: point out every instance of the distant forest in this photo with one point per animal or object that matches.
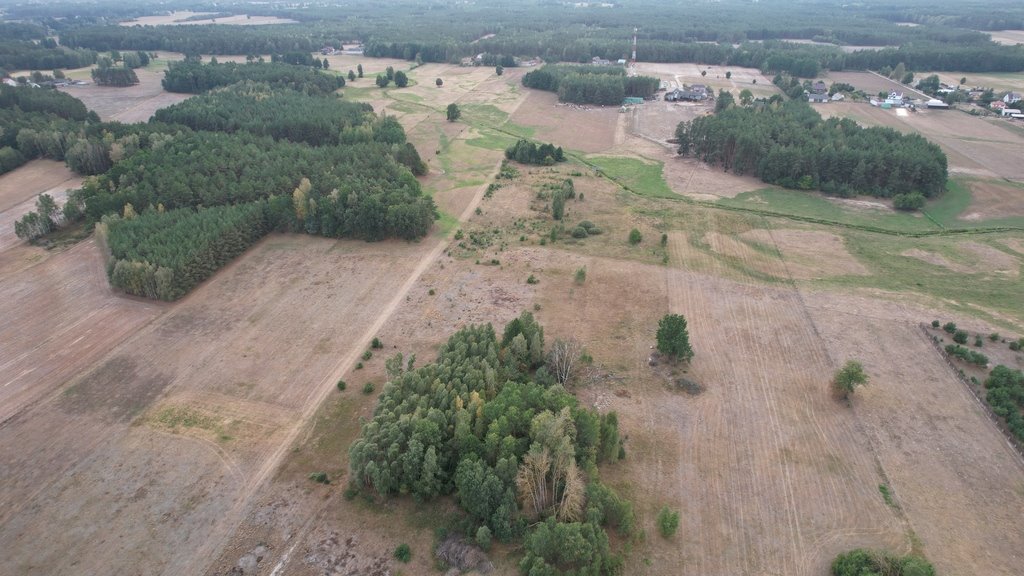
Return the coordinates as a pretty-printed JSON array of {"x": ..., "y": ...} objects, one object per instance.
[{"x": 922, "y": 35}]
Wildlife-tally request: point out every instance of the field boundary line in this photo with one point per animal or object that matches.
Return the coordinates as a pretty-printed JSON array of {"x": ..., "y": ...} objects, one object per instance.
[{"x": 1015, "y": 445}]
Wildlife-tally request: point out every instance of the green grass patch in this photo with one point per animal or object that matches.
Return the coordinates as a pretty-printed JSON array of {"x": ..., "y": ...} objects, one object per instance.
[
  {"x": 397, "y": 94},
  {"x": 408, "y": 107},
  {"x": 815, "y": 205},
  {"x": 491, "y": 140},
  {"x": 360, "y": 92},
  {"x": 957, "y": 199},
  {"x": 447, "y": 223},
  {"x": 641, "y": 177}
]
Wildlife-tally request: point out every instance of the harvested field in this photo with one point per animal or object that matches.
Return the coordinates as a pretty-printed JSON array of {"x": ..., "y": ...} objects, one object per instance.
[
  {"x": 809, "y": 254},
  {"x": 974, "y": 146},
  {"x": 872, "y": 83},
  {"x": 178, "y": 19},
  {"x": 240, "y": 362},
  {"x": 130, "y": 104},
  {"x": 1008, "y": 37},
  {"x": 19, "y": 190},
  {"x": 586, "y": 128},
  {"x": 993, "y": 199}
]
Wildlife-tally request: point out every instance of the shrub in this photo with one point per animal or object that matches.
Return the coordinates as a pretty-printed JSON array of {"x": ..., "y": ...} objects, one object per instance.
[
  {"x": 1015, "y": 346},
  {"x": 376, "y": 344},
  {"x": 581, "y": 275},
  {"x": 668, "y": 522},
  {"x": 320, "y": 477},
  {"x": 664, "y": 240},
  {"x": 532, "y": 280},
  {"x": 909, "y": 201},
  {"x": 431, "y": 292},
  {"x": 403, "y": 553},
  {"x": 994, "y": 336},
  {"x": 341, "y": 385},
  {"x": 849, "y": 377},
  {"x": 483, "y": 538},
  {"x": 586, "y": 225},
  {"x": 935, "y": 323},
  {"x": 359, "y": 365},
  {"x": 579, "y": 232},
  {"x": 368, "y": 388},
  {"x": 635, "y": 237},
  {"x": 960, "y": 337},
  {"x": 978, "y": 343},
  {"x": 949, "y": 327},
  {"x": 870, "y": 563},
  {"x": 367, "y": 355}
]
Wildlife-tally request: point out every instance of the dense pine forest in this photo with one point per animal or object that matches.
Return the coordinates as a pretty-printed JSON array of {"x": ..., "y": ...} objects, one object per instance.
[
  {"x": 789, "y": 144},
  {"x": 603, "y": 85},
  {"x": 193, "y": 77},
  {"x": 283, "y": 154},
  {"x": 490, "y": 424}
]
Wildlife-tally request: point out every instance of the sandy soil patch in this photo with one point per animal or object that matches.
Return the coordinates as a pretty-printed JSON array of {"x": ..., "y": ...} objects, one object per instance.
[
  {"x": 586, "y": 128},
  {"x": 176, "y": 19},
  {"x": 991, "y": 199},
  {"x": 810, "y": 253},
  {"x": 130, "y": 104}
]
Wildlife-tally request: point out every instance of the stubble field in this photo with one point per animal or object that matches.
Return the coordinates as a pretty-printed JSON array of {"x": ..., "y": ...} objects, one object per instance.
[{"x": 202, "y": 423}]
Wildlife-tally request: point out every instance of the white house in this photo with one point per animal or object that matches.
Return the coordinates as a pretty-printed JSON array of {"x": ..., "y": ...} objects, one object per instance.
[{"x": 1013, "y": 98}]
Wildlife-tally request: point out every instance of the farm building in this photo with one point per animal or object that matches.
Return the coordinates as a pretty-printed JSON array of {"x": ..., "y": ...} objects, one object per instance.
[
  {"x": 936, "y": 104},
  {"x": 1009, "y": 111},
  {"x": 817, "y": 98},
  {"x": 819, "y": 87}
]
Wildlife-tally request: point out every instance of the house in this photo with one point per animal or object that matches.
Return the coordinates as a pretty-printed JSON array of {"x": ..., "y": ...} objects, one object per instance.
[
  {"x": 998, "y": 105},
  {"x": 895, "y": 99},
  {"x": 837, "y": 97},
  {"x": 10, "y": 81},
  {"x": 819, "y": 88},
  {"x": 817, "y": 98},
  {"x": 327, "y": 50},
  {"x": 621, "y": 62},
  {"x": 1012, "y": 97},
  {"x": 694, "y": 93},
  {"x": 936, "y": 104}
]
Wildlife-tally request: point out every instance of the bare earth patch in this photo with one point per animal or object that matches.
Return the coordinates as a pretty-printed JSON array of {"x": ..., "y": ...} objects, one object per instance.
[
  {"x": 178, "y": 19},
  {"x": 1008, "y": 37},
  {"x": 936, "y": 260}
]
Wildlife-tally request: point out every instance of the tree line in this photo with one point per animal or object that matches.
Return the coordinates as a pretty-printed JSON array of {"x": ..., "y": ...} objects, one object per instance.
[
  {"x": 1006, "y": 397},
  {"x": 603, "y": 85},
  {"x": 39, "y": 123},
  {"x": 490, "y": 425},
  {"x": 526, "y": 152},
  {"x": 193, "y": 77},
  {"x": 44, "y": 55},
  {"x": 789, "y": 144}
]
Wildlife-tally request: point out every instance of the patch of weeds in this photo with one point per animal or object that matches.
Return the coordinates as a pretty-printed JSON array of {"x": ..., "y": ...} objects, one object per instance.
[
  {"x": 403, "y": 553},
  {"x": 887, "y": 496},
  {"x": 368, "y": 388},
  {"x": 532, "y": 280},
  {"x": 367, "y": 355},
  {"x": 320, "y": 477},
  {"x": 341, "y": 385}
]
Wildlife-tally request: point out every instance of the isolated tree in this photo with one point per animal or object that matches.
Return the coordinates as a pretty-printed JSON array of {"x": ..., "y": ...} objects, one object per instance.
[
  {"x": 359, "y": 69},
  {"x": 351, "y": 76},
  {"x": 703, "y": 73},
  {"x": 728, "y": 75},
  {"x": 848, "y": 378},
  {"x": 963, "y": 80},
  {"x": 499, "y": 70},
  {"x": 673, "y": 338},
  {"x": 390, "y": 71},
  {"x": 746, "y": 97},
  {"x": 438, "y": 82},
  {"x": 668, "y": 522},
  {"x": 635, "y": 237},
  {"x": 401, "y": 80},
  {"x": 453, "y": 113},
  {"x": 724, "y": 101},
  {"x": 564, "y": 358},
  {"x": 325, "y": 64}
]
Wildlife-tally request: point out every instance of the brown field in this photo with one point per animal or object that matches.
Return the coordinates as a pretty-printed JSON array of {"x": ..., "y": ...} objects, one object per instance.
[
  {"x": 999, "y": 82},
  {"x": 20, "y": 188},
  {"x": 872, "y": 83},
  {"x": 173, "y": 19},
  {"x": 1009, "y": 37},
  {"x": 131, "y": 104},
  {"x": 993, "y": 199},
  {"x": 178, "y": 438}
]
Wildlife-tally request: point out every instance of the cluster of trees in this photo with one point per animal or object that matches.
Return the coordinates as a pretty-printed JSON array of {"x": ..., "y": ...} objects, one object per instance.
[
  {"x": 283, "y": 113},
  {"x": 604, "y": 85},
  {"x": 43, "y": 55},
  {"x": 43, "y": 220},
  {"x": 526, "y": 152},
  {"x": 164, "y": 254},
  {"x": 489, "y": 423},
  {"x": 862, "y": 562},
  {"x": 206, "y": 39},
  {"x": 38, "y": 123},
  {"x": 967, "y": 355},
  {"x": 1006, "y": 397},
  {"x": 109, "y": 75},
  {"x": 789, "y": 144},
  {"x": 193, "y": 77}
]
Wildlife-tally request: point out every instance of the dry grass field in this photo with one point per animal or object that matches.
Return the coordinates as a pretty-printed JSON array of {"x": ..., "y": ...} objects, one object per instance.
[
  {"x": 1009, "y": 37},
  {"x": 178, "y": 438},
  {"x": 872, "y": 83}
]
